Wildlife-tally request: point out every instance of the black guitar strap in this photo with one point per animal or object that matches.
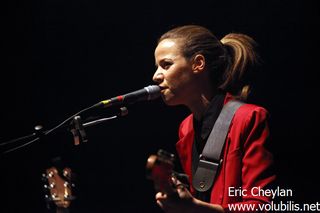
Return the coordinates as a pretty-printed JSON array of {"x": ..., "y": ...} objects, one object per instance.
[{"x": 210, "y": 159}]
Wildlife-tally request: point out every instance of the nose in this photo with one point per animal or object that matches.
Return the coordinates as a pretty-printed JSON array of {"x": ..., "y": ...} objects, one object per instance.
[{"x": 158, "y": 76}]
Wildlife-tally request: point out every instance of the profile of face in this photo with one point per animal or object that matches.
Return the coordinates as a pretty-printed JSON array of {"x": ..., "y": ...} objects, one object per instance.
[{"x": 175, "y": 73}]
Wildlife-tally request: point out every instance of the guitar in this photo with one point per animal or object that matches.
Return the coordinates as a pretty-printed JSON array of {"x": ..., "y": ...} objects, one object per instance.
[
  {"x": 59, "y": 187},
  {"x": 159, "y": 169}
]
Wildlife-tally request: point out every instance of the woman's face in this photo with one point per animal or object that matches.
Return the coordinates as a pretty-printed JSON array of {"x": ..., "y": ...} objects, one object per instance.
[{"x": 174, "y": 73}]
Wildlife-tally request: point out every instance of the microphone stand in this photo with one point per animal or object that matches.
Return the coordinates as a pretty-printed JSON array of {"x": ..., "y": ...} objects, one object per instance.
[
  {"x": 59, "y": 161},
  {"x": 76, "y": 127},
  {"x": 147, "y": 93}
]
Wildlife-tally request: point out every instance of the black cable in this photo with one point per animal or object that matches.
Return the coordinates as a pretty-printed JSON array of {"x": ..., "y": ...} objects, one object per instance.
[
  {"x": 17, "y": 139},
  {"x": 45, "y": 133},
  {"x": 23, "y": 145},
  {"x": 68, "y": 119}
]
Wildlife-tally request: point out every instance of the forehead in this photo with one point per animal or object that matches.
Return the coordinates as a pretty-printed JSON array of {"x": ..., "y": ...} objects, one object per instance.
[{"x": 167, "y": 47}]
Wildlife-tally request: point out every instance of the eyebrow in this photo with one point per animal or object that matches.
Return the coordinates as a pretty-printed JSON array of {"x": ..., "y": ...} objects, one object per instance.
[
  {"x": 165, "y": 59},
  {"x": 157, "y": 64}
]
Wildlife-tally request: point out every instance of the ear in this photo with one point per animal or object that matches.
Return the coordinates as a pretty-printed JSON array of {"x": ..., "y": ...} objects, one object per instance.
[{"x": 198, "y": 64}]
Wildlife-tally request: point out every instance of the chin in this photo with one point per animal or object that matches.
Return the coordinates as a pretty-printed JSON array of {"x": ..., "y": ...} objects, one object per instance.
[
  {"x": 169, "y": 98},
  {"x": 170, "y": 101}
]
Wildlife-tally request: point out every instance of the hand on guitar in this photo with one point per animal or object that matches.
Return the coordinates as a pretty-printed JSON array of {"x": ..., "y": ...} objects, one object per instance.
[
  {"x": 172, "y": 195},
  {"x": 180, "y": 201},
  {"x": 171, "y": 191}
]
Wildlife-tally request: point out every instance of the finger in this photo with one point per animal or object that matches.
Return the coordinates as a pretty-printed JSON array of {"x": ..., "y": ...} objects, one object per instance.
[
  {"x": 160, "y": 204},
  {"x": 180, "y": 186},
  {"x": 161, "y": 196},
  {"x": 174, "y": 180},
  {"x": 163, "y": 206},
  {"x": 161, "y": 200}
]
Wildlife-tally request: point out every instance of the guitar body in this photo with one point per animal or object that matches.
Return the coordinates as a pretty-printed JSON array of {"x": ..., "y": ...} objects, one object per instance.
[{"x": 160, "y": 170}]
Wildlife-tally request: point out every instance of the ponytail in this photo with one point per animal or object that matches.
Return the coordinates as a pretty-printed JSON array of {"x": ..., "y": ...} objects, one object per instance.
[
  {"x": 228, "y": 61},
  {"x": 240, "y": 57}
]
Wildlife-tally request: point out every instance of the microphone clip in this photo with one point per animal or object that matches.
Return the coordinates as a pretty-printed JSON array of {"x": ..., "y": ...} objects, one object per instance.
[{"x": 77, "y": 130}]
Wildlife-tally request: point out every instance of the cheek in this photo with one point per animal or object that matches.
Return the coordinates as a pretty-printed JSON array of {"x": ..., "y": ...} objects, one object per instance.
[
  {"x": 178, "y": 83},
  {"x": 179, "y": 79}
]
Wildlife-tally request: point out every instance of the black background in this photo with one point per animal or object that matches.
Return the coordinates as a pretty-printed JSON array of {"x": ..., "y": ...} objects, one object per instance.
[{"x": 62, "y": 56}]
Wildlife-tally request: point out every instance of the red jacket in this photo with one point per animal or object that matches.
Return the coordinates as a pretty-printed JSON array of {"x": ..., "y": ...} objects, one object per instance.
[{"x": 246, "y": 162}]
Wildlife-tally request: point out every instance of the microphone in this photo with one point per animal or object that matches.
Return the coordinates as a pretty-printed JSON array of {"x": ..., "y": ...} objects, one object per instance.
[{"x": 147, "y": 93}]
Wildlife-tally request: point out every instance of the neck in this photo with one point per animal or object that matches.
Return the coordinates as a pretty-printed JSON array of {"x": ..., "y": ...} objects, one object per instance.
[
  {"x": 62, "y": 210},
  {"x": 203, "y": 91},
  {"x": 199, "y": 105}
]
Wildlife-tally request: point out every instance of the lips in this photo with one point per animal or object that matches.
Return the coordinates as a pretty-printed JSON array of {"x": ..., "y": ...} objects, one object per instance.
[{"x": 163, "y": 87}]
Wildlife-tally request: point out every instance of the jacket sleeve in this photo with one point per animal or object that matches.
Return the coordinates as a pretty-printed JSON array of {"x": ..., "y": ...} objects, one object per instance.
[{"x": 257, "y": 173}]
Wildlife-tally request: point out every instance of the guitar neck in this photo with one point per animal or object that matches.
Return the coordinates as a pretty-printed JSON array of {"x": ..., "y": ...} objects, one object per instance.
[
  {"x": 62, "y": 210},
  {"x": 58, "y": 183}
]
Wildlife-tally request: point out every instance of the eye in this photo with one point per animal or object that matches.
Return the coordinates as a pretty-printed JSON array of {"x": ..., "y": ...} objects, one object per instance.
[{"x": 166, "y": 65}]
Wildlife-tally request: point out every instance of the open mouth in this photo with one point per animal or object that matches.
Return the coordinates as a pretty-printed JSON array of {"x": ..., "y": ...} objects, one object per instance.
[{"x": 162, "y": 87}]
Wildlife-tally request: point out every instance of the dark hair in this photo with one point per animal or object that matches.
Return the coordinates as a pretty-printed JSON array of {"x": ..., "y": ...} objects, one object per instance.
[{"x": 229, "y": 60}]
